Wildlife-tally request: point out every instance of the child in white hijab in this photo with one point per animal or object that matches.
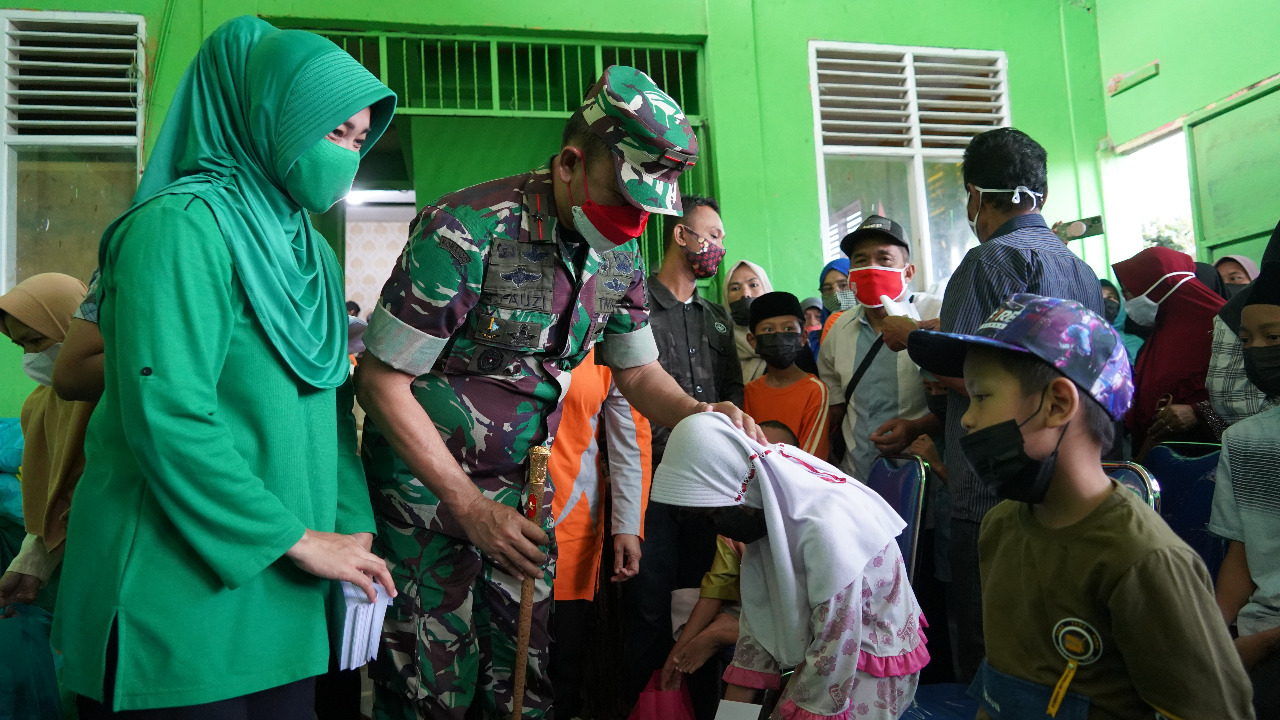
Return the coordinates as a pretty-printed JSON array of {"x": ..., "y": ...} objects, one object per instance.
[{"x": 824, "y": 586}]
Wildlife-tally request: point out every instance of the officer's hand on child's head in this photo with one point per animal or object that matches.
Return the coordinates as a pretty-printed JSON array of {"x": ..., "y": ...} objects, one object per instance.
[{"x": 739, "y": 418}]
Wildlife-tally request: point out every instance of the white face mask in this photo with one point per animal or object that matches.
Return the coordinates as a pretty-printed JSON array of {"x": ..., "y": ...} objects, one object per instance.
[
  {"x": 1017, "y": 198},
  {"x": 39, "y": 366},
  {"x": 1142, "y": 309}
]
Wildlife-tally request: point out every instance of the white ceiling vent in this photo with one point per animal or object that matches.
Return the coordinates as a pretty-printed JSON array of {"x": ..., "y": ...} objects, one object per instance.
[
  {"x": 957, "y": 97},
  {"x": 864, "y": 97},
  {"x": 879, "y": 96},
  {"x": 72, "y": 74}
]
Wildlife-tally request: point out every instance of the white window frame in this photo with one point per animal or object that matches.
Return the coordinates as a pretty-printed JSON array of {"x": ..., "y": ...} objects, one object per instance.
[
  {"x": 11, "y": 143},
  {"x": 916, "y": 152}
]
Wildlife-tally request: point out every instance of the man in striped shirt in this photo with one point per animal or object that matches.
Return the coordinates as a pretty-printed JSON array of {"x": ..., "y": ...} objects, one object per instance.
[{"x": 1006, "y": 176}]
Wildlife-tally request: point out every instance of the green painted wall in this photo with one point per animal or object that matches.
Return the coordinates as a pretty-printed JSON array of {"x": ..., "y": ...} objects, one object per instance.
[
  {"x": 1207, "y": 51},
  {"x": 757, "y": 83},
  {"x": 770, "y": 194},
  {"x": 756, "y": 74},
  {"x": 15, "y": 386}
]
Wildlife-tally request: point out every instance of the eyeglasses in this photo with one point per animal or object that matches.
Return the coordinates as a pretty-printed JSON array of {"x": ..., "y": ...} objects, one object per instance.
[{"x": 718, "y": 240}]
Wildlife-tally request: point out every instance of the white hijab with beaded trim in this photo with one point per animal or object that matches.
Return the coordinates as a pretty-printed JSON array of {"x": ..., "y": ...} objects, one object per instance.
[{"x": 823, "y": 526}]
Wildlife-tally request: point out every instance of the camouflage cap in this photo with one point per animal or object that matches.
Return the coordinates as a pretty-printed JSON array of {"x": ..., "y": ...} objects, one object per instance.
[{"x": 651, "y": 140}]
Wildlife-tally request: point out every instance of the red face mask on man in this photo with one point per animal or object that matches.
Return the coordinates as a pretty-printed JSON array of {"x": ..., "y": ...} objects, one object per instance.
[
  {"x": 704, "y": 261},
  {"x": 873, "y": 281},
  {"x": 605, "y": 227}
]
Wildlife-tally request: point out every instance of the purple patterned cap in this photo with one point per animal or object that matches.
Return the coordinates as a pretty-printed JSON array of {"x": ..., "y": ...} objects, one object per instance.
[{"x": 1075, "y": 341}]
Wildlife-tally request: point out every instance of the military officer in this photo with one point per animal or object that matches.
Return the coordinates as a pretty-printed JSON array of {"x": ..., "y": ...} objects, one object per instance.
[{"x": 501, "y": 290}]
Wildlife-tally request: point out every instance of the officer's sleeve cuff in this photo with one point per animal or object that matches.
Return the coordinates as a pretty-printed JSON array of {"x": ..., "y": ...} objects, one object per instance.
[
  {"x": 620, "y": 351},
  {"x": 401, "y": 346}
]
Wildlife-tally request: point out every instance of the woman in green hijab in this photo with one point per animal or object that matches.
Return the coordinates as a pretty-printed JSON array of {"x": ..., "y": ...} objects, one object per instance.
[{"x": 222, "y": 491}]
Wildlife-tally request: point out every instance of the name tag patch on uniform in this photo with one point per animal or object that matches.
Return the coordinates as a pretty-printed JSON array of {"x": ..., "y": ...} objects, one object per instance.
[{"x": 533, "y": 300}]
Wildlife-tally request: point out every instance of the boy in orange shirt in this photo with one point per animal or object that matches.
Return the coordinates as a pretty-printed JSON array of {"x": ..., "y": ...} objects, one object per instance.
[{"x": 785, "y": 393}]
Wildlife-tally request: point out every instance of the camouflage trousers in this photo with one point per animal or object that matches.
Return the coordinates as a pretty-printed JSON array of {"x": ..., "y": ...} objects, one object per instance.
[{"x": 449, "y": 640}]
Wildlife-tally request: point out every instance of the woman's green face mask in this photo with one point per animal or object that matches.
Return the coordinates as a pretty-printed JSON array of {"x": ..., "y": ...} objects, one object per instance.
[{"x": 322, "y": 175}]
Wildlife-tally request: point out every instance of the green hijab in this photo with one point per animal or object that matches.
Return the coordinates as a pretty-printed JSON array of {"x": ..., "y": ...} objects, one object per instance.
[{"x": 251, "y": 102}]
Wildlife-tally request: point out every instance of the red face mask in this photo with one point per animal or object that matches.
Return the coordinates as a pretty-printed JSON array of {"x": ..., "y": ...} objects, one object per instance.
[
  {"x": 605, "y": 226},
  {"x": 705, "y": 261},
  {"x": 874, "y": 281}
]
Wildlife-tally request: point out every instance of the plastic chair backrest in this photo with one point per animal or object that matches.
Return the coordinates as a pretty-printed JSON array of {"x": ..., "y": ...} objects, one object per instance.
[
  {"x": 1136, "y": 478},
  {"x": 1186, "y": 472},
  {"x": 900, "y": 480},
  {"x": 1187, "y": 482}
]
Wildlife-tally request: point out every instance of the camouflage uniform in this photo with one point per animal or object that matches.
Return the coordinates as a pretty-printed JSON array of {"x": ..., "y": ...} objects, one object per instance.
[{"x": 491, "y": 304}]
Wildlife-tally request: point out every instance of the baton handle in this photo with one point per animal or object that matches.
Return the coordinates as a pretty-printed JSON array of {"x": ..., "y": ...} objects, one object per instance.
[{"x": 538, "y": 457}]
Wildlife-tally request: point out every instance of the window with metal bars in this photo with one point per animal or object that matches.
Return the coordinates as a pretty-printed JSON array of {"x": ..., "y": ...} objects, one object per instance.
[
  {"x": 534, "y": 78},
  {"x": 890, "y": 126}
]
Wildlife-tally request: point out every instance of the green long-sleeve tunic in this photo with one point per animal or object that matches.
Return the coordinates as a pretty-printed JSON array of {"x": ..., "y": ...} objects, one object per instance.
[{"x": 206, "y": 459}]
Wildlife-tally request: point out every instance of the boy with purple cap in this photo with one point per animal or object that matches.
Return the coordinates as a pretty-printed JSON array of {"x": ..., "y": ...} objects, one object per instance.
[{"x": 1092, "y": 606}]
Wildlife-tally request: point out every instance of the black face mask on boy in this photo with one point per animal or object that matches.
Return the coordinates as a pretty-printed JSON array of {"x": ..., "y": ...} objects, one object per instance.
[
  {"x": 780, "y": 349},
  {"x": 997, "y": 456},
  {"x": 1262, "y": 367}
]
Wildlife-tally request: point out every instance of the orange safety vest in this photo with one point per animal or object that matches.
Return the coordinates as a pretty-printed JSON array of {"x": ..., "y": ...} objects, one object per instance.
[{"x": 580, "y": 480}]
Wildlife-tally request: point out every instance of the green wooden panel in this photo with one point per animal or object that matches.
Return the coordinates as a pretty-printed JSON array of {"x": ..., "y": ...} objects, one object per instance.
[
  {"x": 450, "y": 153},
  {"x": 1251, "y": 247},
  {"x": 1234, "y": 171}
]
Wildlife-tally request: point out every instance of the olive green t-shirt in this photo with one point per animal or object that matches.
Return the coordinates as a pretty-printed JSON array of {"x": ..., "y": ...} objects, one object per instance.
[{"x": 1123, "y": 595}]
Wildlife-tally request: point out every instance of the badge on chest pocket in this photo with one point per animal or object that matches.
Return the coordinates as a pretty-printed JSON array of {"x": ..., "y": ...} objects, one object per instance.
[
  {"x": 512, "y": 329},
  {"x": 613, "y": 279},
  {"x": 519, "y": 276}
]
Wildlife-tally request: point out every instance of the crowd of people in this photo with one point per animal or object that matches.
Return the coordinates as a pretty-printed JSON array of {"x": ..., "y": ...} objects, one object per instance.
[{"x": 194, "y": 482}]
